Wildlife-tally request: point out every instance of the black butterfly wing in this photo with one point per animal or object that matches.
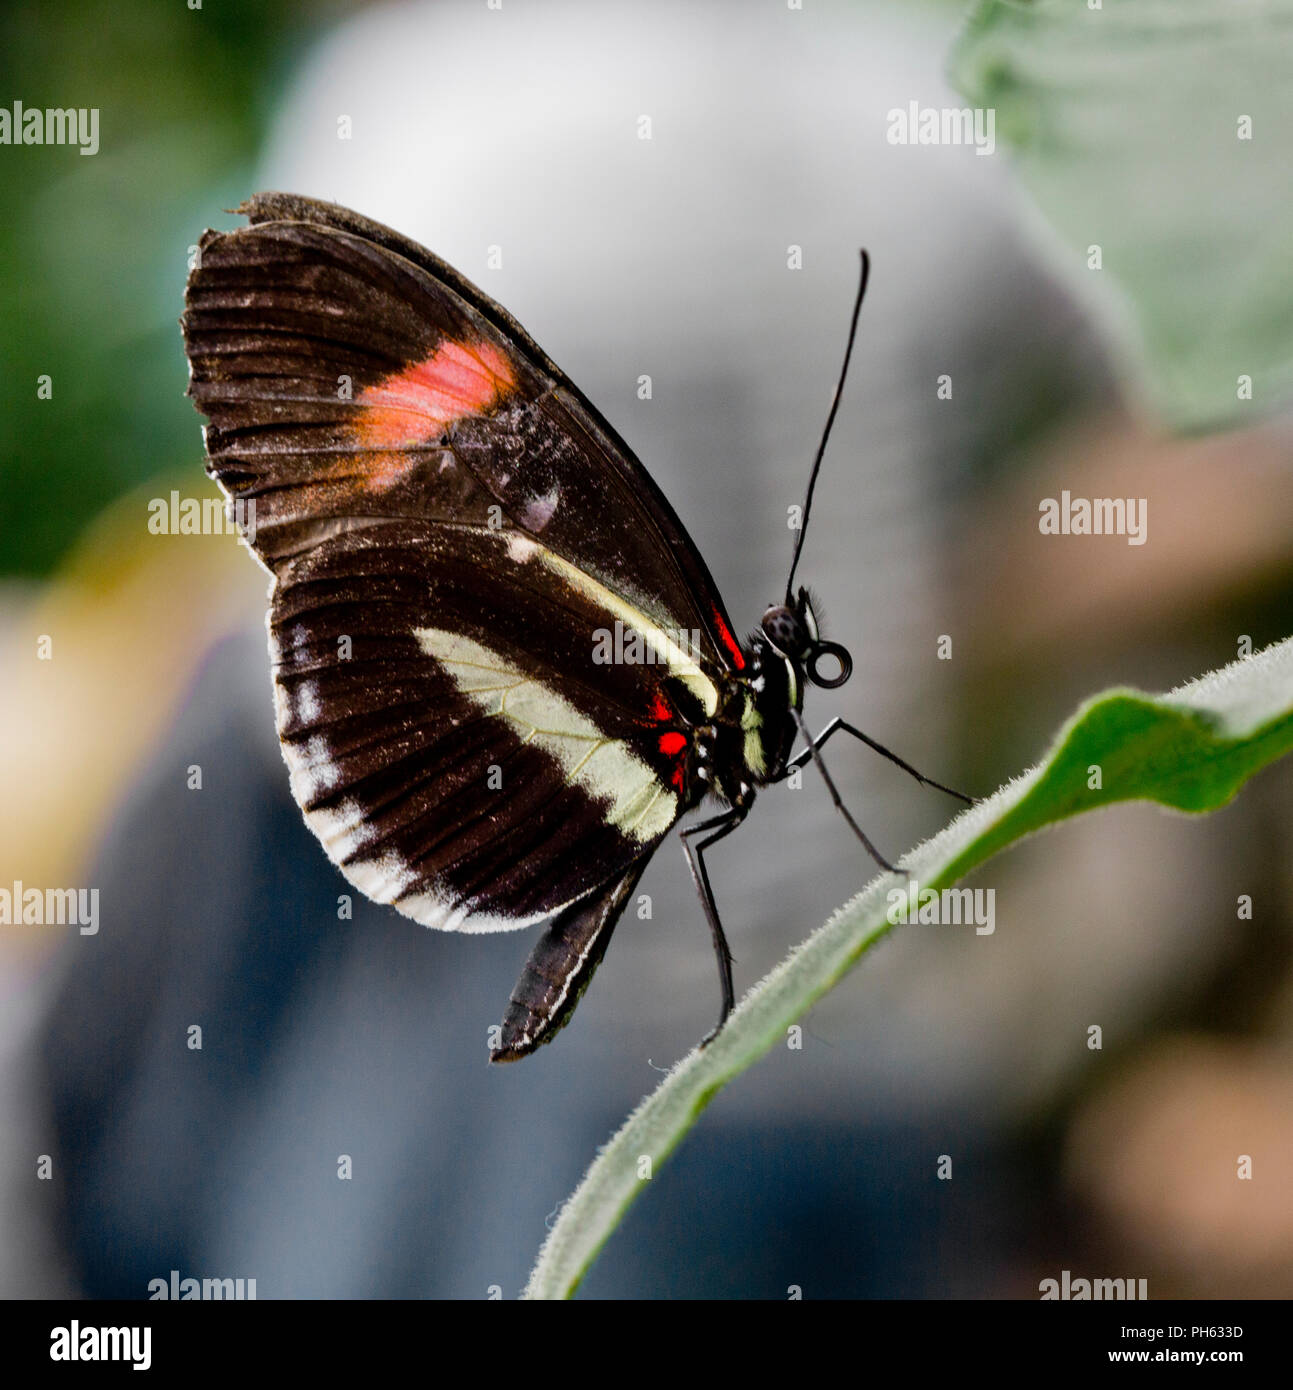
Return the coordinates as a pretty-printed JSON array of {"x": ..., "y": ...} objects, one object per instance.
[
  {"x": 321, "y": 301},
  {"x": 451, "y": 528}
]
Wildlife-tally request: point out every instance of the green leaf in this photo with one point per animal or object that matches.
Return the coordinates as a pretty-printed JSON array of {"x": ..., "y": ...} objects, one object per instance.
[
  {"x": 1126, "y": 126},
  {"x": 1191, "y": 750}
]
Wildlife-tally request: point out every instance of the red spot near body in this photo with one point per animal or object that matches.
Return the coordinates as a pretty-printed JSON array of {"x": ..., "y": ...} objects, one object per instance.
[
  {"x": 672, "y": 743},
  {"x": 416, "y": 405},
  {"x": 679, "y": 778},
  {"x": 660, "y": 710},
  {"x": 730, "y": 642}
]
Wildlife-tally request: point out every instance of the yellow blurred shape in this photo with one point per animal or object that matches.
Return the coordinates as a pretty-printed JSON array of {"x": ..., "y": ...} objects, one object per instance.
[{"x": 125, "y": 623}]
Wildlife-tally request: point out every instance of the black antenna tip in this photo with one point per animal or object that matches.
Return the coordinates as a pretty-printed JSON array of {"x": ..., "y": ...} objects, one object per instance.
[{"x": 830, "y": 420}]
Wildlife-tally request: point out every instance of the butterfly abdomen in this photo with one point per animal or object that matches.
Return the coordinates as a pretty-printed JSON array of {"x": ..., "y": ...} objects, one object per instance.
[{"x": 559, "y": 969}]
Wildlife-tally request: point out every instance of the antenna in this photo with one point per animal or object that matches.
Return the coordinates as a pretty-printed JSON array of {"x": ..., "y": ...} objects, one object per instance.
[{"x": 826, "y": 433}]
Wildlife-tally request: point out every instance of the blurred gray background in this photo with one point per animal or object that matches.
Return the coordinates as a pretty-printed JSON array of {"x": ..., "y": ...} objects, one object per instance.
[{"x": 519, "y": 129}]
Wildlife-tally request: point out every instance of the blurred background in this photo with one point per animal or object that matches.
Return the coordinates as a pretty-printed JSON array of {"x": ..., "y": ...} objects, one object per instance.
[{"x": 515, "y": 133}]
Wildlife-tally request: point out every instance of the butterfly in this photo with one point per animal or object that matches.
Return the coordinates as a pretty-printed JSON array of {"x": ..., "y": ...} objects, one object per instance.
[{"x": 502, "y": 671}]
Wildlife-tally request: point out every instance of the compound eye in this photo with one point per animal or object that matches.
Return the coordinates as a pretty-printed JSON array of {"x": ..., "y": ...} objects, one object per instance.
[
  {"x": 784, "y": 630},
  {"x": 833, "y": 652}
]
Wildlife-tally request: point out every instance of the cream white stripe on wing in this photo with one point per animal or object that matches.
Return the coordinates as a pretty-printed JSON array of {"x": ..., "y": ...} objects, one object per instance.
[
  {"x": 681, "y": 664},
  {"x": 639, "y": 805}
]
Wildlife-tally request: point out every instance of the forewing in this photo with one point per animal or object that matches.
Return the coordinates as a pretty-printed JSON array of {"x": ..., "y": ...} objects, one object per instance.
[{"x": 348, "y": 373}]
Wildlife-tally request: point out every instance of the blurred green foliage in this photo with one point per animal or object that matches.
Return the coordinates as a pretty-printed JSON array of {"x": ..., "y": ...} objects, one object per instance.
[
  {"x": 93, "y": 250},
  {"x": 1158, "y": 131}
]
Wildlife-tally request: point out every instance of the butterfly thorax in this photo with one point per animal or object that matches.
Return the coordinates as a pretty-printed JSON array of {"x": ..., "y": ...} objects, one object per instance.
[
  {"x": 758, "y": 715},
  {"x": 747, "y": 743}
]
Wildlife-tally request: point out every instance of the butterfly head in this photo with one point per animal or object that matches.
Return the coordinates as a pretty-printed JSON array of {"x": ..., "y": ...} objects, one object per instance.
[{"x": 791, "y": 629}]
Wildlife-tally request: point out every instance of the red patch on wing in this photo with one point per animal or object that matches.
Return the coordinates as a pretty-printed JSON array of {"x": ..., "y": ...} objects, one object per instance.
[
  {"x": 417, "y": 404},
  {"x": 672, "y": 744},
  {"x": 660, "y": 710},
  {"x": 730, "y": 642}
]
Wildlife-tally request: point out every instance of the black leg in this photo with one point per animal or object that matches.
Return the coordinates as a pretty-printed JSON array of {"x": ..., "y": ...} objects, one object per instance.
[
  {"x": 802, "y": 759},
  {"x": 812, "y": 752},
  {"x": 720, "y": 826}
]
